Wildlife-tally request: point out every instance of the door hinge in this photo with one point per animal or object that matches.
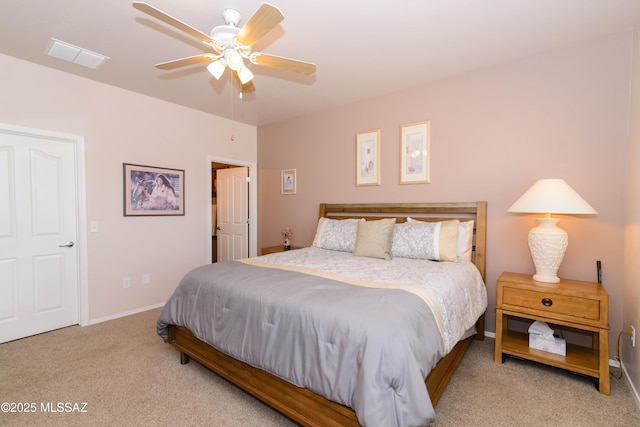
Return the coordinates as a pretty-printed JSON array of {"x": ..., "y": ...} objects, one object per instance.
[
  {"x": 248, "y": 179},
  {"x": 248, "y": 220}
]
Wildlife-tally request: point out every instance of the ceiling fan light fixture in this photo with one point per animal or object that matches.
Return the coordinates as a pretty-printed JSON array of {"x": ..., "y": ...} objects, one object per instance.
[
  {"x": 233, "y": 59},
  {"x": 216, "y": 68},
  {"x": 245, "y": 75},
  {"x": 231, "y": 45}
]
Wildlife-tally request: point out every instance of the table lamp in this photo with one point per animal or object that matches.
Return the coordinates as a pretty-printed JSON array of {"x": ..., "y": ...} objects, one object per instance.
[{"x": 547, "y": 242}]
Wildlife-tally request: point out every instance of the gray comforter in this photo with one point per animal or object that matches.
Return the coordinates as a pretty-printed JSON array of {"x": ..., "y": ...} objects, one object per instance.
[{"x": 366, "y": 348}]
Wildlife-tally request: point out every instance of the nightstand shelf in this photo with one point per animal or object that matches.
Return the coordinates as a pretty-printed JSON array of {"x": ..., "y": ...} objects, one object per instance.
[
  {"x": 574, "y": 304},
  {"x": 580, "y": 359}
]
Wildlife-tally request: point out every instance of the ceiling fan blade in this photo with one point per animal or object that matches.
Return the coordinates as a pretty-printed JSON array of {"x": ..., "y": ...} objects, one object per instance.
[
  {"x": 247, "y": 87},
  {"x": 284, "y": 63},
  {"x": 167, "y": 19},
  {"x": 183, "y": 62},
  {"x": 266, "y": 18}
]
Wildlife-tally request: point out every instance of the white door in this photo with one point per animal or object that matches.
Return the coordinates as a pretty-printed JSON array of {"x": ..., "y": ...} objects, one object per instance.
[
  {"x": 38, "y": 231},
  {"x": 233, "y": 213}
]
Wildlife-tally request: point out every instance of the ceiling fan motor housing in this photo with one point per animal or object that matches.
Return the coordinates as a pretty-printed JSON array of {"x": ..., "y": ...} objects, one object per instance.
[{"x": 224, "y": 34}]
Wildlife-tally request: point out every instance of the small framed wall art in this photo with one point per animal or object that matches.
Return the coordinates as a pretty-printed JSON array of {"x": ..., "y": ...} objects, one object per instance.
[
  {"x": 415, "y": 153},
  {"x": 288, "y": 181},
  {"x": 368, "y": 158},
  {"x": 153, "y": 191}
]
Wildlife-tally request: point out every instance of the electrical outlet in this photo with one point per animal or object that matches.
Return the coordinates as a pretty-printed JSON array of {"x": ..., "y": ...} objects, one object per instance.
[
  {"x": 126, "y": 282},
  {"x": 146, "y": 279},
  {"x": 633, "y": 336}
]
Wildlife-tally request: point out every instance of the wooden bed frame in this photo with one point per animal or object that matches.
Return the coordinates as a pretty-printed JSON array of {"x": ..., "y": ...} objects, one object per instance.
[{"x": 302, "y": 405}]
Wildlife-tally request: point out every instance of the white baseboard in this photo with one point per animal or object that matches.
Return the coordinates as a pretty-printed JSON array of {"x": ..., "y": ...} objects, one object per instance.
[
  {"x": 634, "y": 392},
  {"x": 126, "y": 313}
]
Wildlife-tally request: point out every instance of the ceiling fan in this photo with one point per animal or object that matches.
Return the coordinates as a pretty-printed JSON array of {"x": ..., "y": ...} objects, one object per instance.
[{"x": 231, "y": 45}]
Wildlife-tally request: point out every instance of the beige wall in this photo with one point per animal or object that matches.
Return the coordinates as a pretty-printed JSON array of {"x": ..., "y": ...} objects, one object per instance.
[
  {"x": 631, "y": 292},
  {"x": 495, "y": 132},
  {"x": 118, "y": 127}
]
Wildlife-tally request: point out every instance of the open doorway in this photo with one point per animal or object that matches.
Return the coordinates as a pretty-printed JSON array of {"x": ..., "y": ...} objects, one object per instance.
[
  {"x": 233, "y": 230},
  {"x": 215, "y": 167}
]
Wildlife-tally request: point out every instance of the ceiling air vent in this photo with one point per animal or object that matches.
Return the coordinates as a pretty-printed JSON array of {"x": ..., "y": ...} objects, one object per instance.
[{"x": 77, "y": 55}]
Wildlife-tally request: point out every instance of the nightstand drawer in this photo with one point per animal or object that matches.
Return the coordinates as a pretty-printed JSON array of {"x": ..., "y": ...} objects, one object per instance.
[{"x": 543, "y": 302}]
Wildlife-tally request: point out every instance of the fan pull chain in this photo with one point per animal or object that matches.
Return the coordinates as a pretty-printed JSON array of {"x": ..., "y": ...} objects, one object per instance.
[{"x": 233, "y": 116}]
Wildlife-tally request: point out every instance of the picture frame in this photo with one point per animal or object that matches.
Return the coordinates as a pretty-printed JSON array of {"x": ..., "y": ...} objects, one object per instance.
[
  {"x": 288, "y": 181},
  {"x": 368, "y": 158},
  {"x": 153, "y": 191},
  {"x": 415, "y": 153}
]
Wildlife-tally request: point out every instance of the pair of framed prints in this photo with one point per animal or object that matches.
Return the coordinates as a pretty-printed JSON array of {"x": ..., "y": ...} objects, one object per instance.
[{"x": 415, "y": 155}]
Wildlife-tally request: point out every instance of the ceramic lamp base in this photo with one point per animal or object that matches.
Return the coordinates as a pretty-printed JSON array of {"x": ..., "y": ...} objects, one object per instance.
[{"x": 547, "y": 244}]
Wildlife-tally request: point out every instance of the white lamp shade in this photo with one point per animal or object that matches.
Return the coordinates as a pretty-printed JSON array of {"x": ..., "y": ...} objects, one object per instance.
[
  {"x": 245, "y": 75},
  {"x": 216, "y": 68},
  {"x": 553, "y": 196}
]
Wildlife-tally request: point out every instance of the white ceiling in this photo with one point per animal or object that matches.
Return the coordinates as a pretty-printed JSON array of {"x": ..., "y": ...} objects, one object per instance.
[{"x": 362, "y": 48}]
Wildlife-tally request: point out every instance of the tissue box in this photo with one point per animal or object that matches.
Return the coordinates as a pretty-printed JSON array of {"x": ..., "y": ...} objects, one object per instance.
[{"x": 557, "y": 346}]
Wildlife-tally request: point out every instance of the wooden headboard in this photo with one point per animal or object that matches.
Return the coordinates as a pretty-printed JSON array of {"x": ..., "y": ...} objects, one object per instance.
[{"x": 463, "y": 211}]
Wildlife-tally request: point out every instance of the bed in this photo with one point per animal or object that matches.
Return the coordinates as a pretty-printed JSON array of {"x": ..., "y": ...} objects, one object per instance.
[{"x": 335, "y": 366}]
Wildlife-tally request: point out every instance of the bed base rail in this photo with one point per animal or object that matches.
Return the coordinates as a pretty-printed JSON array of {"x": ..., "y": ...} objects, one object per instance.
[{"x": 299, "y": 404}]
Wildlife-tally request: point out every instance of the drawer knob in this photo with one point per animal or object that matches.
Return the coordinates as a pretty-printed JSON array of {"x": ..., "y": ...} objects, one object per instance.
[{"x": 547, "y": 302}]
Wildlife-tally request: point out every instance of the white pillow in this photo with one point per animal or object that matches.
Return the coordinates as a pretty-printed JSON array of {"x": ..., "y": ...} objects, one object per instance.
[
  {"x": 464, "y": 242},
  {"x": 336, "y": 234},
  {"x": 426, "y": 240}
]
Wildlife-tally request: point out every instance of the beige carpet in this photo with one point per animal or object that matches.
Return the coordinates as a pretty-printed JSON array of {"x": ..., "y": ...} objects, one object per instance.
[{"x": 127, "y": 376}]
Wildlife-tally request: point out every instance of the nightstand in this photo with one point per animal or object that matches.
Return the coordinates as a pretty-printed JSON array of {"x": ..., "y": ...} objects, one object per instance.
[
  {"x": 273, "y": 249},
  {"x": 569, "y": 303}
]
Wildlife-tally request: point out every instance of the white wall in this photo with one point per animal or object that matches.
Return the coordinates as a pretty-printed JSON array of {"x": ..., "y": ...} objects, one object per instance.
[{"x": 124, "y": 127}]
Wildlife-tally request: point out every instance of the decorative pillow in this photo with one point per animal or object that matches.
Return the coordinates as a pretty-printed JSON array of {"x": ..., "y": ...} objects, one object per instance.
[
  {"x": 374, "y": 238},
  {"x": 464, "y": 242},
  {"x": 426, "y": 240},
  {"x": 336, "y": 234}
]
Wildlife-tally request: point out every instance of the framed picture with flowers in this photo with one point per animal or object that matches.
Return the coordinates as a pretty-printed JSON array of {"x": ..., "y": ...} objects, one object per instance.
[
  {"x": 415, "y": 153},
  {"x": 368, "y": 158}
]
